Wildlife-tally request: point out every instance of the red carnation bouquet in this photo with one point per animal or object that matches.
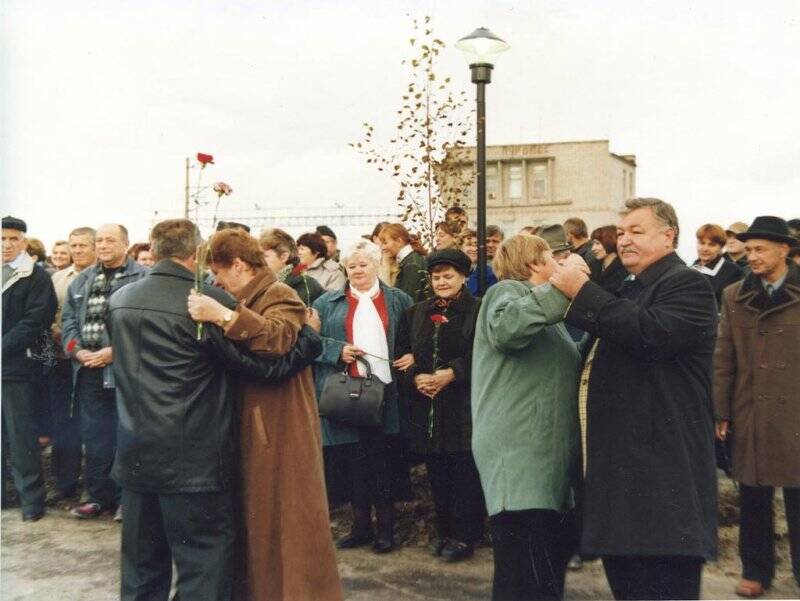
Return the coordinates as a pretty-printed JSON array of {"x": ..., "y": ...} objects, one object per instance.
[{"x": 221, "y": 189}]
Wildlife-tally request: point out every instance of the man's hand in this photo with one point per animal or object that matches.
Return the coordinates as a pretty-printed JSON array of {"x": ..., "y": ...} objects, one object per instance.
[
  {"x": 83, "y": 356},
  {"x": 570, "y": 277},
  {"x": 722, "y": 429},
  {"x": 575, "y": 260},
  {"x": 97, "y": 359},
  {"x": 404, "y": 362}
]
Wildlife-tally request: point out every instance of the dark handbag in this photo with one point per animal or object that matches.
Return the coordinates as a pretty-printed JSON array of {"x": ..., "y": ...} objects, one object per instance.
[{"x": 353, "y": 400}]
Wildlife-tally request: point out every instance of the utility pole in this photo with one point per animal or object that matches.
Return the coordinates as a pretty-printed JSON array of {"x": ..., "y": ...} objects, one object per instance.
[{"x": 186, "y": 192}]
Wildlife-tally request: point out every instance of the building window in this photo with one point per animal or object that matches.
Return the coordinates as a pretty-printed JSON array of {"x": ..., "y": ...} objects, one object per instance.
[
  {"x": 469, "y": 183},
  {"x": 539, "y": 181},
  {"x": 515, "y": 181},
  {"x": 491, "y": 182}
]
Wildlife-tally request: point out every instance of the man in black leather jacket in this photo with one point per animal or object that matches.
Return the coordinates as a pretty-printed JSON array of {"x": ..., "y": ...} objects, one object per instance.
[{"x": 176, "y": 397}]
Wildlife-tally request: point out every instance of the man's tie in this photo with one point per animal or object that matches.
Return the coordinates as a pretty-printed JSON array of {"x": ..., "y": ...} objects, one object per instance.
[{"x": 770, "y": 290}]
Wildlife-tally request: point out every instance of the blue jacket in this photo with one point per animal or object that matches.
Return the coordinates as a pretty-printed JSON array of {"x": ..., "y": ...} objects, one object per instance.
[
  {"x": 73, "y": 314},
  {"x": 332, "y": 307},
  {"x": 472, "y": 280}
]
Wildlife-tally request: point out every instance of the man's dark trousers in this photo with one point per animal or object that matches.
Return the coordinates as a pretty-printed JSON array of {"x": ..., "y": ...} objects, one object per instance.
[
  {"x": 757, "y": 532},
  {"x": 20, "y": 434},
  {"x": 98, "y": 416},
  {"x": 66, "y": 428},
  {"x": 196, "y": 530}
]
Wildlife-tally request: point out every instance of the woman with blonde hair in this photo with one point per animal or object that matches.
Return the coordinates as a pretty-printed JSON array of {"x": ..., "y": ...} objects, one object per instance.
[
  {"x": 525, "y": 371},
  {"x": 359, "y": 324},
  {"x": 397, "y": 242}
]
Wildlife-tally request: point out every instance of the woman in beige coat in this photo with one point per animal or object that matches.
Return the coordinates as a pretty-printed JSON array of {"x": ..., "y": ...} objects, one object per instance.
[{"x": 289, "y": 550}]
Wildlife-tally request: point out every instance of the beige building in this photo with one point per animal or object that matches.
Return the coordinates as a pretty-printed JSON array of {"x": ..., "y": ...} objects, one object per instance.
[{"x": 531, "y": 184}]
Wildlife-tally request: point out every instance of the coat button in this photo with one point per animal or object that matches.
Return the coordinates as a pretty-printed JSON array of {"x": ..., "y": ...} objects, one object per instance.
[
  {"x": 244, "y": 334},
  {"x": 590, "y": 315},
  {"x": 763, "y": 366}
]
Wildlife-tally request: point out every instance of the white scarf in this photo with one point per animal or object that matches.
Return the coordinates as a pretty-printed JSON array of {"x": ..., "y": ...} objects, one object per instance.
[{"x": 369, "y": 335}]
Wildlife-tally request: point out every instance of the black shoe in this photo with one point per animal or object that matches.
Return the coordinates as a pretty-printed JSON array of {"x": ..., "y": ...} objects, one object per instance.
[
  {"x": 383, "y": 545},
  {"x": 32, "y": 516},
  {"x": 353, "y": 540},
  {"x": 455, "y": 550},
  {"x": 436, "y": 545}
]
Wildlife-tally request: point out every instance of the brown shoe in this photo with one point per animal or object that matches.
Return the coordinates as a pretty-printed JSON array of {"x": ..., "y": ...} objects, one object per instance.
[{"x": 749, "y": 589}]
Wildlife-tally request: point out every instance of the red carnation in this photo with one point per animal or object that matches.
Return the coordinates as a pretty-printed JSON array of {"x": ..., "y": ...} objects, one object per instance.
[
  {"x": 436, "y": 318},
  {"x": 71, "y": 345},
  {"x": 204, "y": 159},
  {"x": 299, "y": 268}
]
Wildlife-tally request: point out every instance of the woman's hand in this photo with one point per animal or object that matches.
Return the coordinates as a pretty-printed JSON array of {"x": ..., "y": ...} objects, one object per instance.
[
  {"x": 441, "y": 378},
  {"x": 350, "y": 352},
  {"x": 423, "y": 382},
  {"x": 205, "y": 309},
  {"x": 404, "y": 362}
]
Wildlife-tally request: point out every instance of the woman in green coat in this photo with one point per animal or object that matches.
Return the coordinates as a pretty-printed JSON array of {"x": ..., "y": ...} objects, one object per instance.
[
  {"x": 412, "y": 277},
  {"x": 525, "y": 424}
]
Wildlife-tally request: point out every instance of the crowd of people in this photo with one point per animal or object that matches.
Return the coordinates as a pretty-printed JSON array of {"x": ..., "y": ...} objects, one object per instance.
[{"x": 582, "y": 403}]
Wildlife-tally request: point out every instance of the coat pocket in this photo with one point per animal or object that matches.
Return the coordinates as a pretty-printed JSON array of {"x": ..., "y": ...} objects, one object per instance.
[{"x": 259, "y": 428}]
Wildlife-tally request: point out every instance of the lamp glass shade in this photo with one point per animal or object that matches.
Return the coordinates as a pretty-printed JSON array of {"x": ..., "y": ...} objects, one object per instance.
[{"x": 481, "y": 46}]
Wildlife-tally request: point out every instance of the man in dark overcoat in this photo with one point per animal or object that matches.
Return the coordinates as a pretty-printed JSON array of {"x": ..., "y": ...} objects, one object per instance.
[
  {"x": 176, "y": 446},
  {"x": 648, "y": 431},
  {"x": 756, "y": 383},
  {"x": 29, "y": 304}
]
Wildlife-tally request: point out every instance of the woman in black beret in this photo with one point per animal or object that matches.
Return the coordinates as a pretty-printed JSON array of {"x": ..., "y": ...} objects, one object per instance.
[{"x": 435, "y": 348}]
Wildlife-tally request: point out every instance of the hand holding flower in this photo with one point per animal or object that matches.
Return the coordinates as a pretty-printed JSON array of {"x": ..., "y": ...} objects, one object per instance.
[
  {"x": 350, "y": 352},
  {"x": 203, "y": 308}
]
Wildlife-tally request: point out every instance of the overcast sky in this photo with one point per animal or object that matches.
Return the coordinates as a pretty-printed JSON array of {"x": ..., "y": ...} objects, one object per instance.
[{"x": 102, "y": 101}]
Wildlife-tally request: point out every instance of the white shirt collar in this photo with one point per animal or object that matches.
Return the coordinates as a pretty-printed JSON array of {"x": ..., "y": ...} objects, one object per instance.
[{"x": 404, "y": 252}]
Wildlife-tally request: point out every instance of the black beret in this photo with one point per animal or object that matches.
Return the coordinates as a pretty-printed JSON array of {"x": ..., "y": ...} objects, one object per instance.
[
  {"x": 324, "y": 230},
  {"x": 13, "y": 223},
  {"x": 450, "y": 256}
]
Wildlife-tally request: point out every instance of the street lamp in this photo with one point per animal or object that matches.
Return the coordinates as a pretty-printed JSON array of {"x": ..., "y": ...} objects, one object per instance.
[{"x": 480, "y": 48}]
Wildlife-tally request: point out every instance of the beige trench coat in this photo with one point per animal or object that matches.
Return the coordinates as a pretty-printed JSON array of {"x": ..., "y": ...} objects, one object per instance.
[
  {"x": 757, "y": 379},
  {"x": 290, "y": 553}
]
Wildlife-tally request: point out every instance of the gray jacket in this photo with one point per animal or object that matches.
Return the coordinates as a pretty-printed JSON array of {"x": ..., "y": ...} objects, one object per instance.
[{"x": 73, "y": 314}]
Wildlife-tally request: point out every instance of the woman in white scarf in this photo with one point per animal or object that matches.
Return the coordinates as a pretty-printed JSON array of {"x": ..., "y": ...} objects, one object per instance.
[{"x": 360, "y": 320}]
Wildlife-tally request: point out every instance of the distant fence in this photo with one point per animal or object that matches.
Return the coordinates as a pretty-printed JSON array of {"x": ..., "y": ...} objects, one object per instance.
[{"x": 299, "y": 217}]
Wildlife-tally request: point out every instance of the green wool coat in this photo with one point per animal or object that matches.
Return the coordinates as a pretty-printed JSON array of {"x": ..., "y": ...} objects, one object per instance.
[{"x": 525, "y": 432}]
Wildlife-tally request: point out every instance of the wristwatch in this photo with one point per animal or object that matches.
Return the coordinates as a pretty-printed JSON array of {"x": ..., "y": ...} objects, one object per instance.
[{"x": 227, "y": 317}]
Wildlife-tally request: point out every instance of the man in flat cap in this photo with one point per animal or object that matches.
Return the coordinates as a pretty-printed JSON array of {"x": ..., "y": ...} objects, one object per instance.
[
  {"x": 756, "y": 379},
  {"x": 29, "y": 305}
]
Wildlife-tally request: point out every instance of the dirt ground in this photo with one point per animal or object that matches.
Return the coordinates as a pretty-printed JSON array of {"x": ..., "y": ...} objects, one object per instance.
[{"x": 72, "y": 560}]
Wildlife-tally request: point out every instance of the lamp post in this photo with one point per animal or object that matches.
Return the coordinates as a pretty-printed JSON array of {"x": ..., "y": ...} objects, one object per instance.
[{"x": 480, "y": 48}]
